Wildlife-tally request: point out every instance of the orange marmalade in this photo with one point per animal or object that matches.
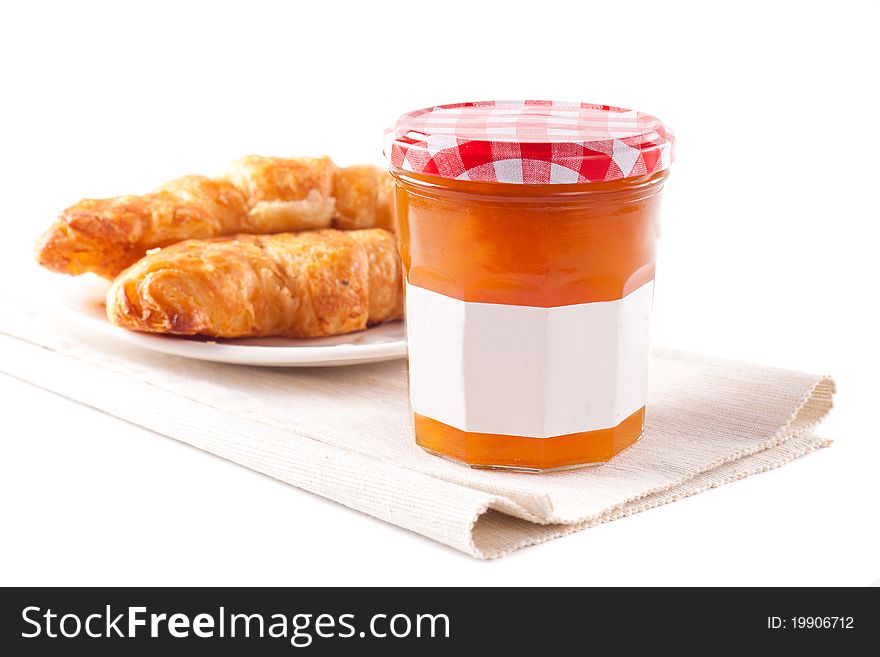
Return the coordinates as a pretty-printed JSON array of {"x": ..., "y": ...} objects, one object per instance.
[{"x": 528, "y": 235}]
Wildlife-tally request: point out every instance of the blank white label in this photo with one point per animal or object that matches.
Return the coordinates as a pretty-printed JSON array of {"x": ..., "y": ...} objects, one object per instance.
[{"x": 527, "y": 371}]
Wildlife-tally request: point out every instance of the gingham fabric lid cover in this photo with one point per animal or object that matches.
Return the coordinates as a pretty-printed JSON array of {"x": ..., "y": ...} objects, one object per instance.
[{"x": 529, "y": 141}]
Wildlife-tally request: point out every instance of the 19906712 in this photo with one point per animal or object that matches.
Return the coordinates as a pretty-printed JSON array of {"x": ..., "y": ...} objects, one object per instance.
[{"x": 810, "y": 623}]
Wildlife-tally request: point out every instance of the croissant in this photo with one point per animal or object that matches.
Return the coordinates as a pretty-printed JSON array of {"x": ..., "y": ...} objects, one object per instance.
[
  {"x": 309, "y": 284},
  {"x": 364, "y": 198},
  {"x": 259, "y": 195}
]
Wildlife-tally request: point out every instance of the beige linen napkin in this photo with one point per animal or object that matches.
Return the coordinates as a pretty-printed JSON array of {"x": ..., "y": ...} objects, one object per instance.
[{"x": 345, "y": 433}]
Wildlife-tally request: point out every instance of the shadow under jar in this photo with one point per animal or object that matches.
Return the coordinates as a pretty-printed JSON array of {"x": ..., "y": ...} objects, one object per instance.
[{"x": 528, "y": 235}]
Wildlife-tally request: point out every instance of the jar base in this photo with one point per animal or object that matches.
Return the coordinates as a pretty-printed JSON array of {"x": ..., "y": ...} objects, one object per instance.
[
  {"x": 514, "y": 468},
  {"x": 522, "y": 454}
]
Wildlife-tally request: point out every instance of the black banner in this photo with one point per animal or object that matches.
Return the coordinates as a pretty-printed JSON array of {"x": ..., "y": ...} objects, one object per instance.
[{"x": 117, "y": 621}]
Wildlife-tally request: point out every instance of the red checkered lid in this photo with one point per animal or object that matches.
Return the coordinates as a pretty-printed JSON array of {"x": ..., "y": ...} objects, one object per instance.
[{"x": 530, "y": 142}]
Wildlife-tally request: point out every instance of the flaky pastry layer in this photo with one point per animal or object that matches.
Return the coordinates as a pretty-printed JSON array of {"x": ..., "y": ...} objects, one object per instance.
[
  {"x": 304, "y": 285},
  {"x": 258, "y": 195}
]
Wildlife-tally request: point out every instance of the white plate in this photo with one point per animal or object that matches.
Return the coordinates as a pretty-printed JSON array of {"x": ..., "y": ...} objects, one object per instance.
[{"x": 83, "y": 301}]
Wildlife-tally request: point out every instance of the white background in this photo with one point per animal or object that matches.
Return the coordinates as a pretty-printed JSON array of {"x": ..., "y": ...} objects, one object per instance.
[{"x": 769, "y": 253}]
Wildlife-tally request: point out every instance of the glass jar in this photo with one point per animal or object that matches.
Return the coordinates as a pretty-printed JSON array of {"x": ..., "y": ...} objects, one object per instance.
[{"x": 528, "y": 235}]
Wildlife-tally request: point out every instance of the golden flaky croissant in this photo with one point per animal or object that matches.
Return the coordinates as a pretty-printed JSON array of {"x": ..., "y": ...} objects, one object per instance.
[
  {"x": 259, "y": 195},
  {"x": 307, "y": 284}
]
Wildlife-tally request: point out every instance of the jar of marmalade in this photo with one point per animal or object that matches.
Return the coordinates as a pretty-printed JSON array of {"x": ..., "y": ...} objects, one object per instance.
[{"x": 528, "y": 235}]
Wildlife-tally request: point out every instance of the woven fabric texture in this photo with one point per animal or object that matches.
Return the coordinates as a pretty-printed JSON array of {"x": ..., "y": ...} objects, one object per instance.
[{"x": 345, "y": 433}]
